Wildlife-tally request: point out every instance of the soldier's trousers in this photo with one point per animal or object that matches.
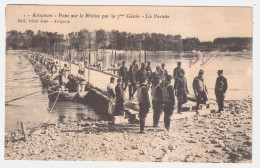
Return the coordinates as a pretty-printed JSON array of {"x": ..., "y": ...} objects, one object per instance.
[
  {"x": 119, "y": 108},
  {"x": 168, "y": 111},
  {"x": 132, "y": 89},
  {"x": 124, "y": 83},
  {"x": 144, "y": 109},
  {"x": 220, "y": 99},
  {"x": 157, "y": 111}
]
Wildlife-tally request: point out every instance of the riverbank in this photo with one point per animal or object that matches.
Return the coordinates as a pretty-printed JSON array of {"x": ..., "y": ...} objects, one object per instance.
[{"x": 225, "y": 137}]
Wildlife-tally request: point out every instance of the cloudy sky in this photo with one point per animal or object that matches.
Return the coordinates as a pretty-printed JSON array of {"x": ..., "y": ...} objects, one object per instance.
[{"x": 206, "y": 23}]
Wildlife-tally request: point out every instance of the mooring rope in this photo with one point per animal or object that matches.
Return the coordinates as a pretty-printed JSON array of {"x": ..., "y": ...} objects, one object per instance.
[
  {"x": 21, "y": 97},
  {"x": 48, "y": 115}
]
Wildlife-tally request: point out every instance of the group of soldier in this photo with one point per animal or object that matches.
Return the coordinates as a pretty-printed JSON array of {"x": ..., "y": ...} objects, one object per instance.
[{"x": 163, "y": 91}]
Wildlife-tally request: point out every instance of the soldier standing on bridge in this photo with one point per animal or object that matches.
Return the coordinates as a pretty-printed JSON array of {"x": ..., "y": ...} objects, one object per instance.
[
  {"x": 81, "y": 67},
  {"x": 123, "y": 74},
  {"x": 144, "y": 102},
  {"x": 220, "y": 90},
  {"x": 200, "y": 90},
  {"x": 168, "y": 101},
  {"x": 120, "y": 98}
]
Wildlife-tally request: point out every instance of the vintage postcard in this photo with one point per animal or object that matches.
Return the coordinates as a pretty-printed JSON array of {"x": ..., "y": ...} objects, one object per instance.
[{"x": 129, "y": 83}]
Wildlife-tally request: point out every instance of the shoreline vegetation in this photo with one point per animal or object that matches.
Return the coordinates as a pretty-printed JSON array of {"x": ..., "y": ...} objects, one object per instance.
[
  {"x": 216, "y": 137},
  {"x": 59, "y": 44}
]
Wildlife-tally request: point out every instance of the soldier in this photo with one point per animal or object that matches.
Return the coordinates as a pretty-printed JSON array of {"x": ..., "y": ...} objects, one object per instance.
[
  {"x": 132, "y": 73},
  {"x": 123, "y": 74},
  {"x": 111, "y": 88},
  {"x": 220, "y": 90},
  {"x": 176, "y": 71},
  {"x": 111, "y": 94},
  {"x": 81, "y": 67},
  {"x": 200, "y": 90},
  {"x": 168, "y": 101},
  {"x": 144, "y": 102},
  {"x": 164, "y": 74},
  {"x": 157, "y": 101},
  {"x": 156, "y": 74},
  {"x": 149, "y": 71},
  {"x": 120, "y": 98},
  {"x": 181, "y": 90},
  {"x": 141, "y": 73}
]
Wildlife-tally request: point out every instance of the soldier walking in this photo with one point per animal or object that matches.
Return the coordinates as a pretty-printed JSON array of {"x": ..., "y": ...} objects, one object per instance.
[
  {"x": 200, "y": 90},
  {"x": 220, "y": 90}
]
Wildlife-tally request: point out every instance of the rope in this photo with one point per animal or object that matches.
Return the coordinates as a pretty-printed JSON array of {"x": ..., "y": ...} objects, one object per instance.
[
  {"x": 21, "y": 97},
  {"x": 48, "y": 115}
]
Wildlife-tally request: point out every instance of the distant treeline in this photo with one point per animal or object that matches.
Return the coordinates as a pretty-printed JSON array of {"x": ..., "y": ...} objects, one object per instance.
[{"x": 49, "y": 42}]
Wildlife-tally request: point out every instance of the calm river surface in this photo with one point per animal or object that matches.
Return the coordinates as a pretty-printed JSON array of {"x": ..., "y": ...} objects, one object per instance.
[{"x": 22, "y": 80}]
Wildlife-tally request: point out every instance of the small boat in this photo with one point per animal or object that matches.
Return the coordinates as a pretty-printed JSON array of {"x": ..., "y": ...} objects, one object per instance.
[{"x": 72, "y": 91}]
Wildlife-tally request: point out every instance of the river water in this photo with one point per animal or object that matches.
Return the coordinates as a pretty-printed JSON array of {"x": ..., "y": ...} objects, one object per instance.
[
  {"x": 21, "y": 80},
  {"x": 32, "y": 110},
  {"x": 237, "y": 67}
]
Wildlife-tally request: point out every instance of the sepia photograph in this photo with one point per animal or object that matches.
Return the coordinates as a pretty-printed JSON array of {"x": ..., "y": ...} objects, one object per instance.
[{"x": 128, "y": 83}]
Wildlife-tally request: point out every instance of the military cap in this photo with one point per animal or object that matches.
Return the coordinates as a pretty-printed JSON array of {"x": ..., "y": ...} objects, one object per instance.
[
  {"x": 220, "y": 71},
  {"x": 201, "y": 72}
]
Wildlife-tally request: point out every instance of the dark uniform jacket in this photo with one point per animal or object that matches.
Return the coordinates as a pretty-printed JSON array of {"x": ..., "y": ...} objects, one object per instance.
[
  {"x": 141, "y": 74},
  {"x": 158, "y": 95},
  {"x": 120, "y": 94},
  {"x": 176, "y": 72},
  {"x": 132, "y": 73},
  {"x": 170, "y": 89},
  {"x": 182, "y": 89},
  {"x": 144, "y": 101},
  {"x": 123, "y": 72},
  {"x": 221, "y": 84}
]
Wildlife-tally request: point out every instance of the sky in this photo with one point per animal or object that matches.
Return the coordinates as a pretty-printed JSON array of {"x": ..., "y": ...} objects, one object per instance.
[{"x": 205, "y": 23}]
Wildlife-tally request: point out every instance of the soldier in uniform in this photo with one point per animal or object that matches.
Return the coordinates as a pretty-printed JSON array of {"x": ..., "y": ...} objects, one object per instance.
[
  {"x": 220, "y": 90},
  {"x": 176, "y": 71},
  {"x": 120, "y": 98},
  {"x": 200, "y": 90},
  {"x": 144, "y": 102},
  {"x": 111, "y": 95},
  {"x": 164, "y": 74},
  {"x": 149, "y": 71},
  {"x": 141, "y": 73},
  {"x": 111, "y": 88},
  {"x": 181, "y": 89},
  {"x": 132, "y": 73},
  {"x": 157, "y": 101},
  {"x": 156, "y": 74},
  {"x": 123, "y": 75},
  {"x": 168, "y": 101}
]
